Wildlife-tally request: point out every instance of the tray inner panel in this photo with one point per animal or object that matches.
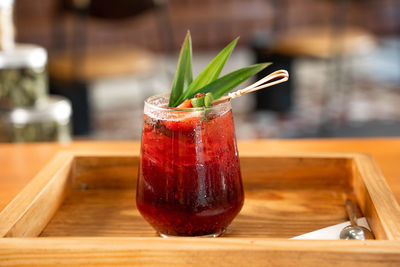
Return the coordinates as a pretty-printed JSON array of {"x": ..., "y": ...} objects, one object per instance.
[{"x": 284, "y": 197}]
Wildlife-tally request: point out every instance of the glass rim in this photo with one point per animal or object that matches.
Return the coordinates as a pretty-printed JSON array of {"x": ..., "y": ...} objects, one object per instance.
[{"x": 168, "y": 109}]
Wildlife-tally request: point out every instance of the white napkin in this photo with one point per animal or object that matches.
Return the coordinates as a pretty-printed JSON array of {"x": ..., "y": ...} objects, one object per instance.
[{"x": 331, "y": 232}]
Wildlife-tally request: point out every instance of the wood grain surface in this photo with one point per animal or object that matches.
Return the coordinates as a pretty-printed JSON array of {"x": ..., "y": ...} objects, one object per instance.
[
  {"x": 20, "y": 163},
  {"x": 373, "y": 195},
  {"x": 34, "y": 206},
  {"x": 285, "y": 196},
  {"x": 266, "y": 213},
  {"x": 196, "y": 252}
]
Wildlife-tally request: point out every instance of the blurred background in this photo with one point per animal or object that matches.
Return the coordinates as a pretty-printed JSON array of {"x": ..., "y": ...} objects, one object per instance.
[{"x": 103, "y": 58}]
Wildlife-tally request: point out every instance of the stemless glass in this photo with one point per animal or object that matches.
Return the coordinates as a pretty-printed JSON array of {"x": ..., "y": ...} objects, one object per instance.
[{"x": 189, "y": 181}]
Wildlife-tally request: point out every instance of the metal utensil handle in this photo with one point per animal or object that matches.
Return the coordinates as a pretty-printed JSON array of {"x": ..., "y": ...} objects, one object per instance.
[{"x": 351, "y": 212}]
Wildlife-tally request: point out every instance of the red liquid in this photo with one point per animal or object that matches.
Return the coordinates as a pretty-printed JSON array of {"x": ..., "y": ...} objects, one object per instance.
[{"x": 189, "y": 178}]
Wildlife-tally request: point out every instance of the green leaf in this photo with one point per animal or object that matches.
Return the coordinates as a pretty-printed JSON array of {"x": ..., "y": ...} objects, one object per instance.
[
  {"x": 209, "y": 73},
  {"x": 226, "y": 83},
  {"x": 183, "y": 75}
]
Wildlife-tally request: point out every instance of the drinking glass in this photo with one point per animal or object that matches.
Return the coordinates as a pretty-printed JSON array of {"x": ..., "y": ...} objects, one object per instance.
[{"x": 189, "y": 181}]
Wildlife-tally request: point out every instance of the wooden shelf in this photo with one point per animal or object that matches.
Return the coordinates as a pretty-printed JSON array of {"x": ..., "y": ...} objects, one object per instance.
[{"x": 100, "y": 63}]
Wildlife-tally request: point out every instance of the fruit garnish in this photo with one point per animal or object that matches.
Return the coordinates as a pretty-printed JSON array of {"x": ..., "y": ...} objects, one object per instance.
[
  {"x": 209, "y": 84},
  {"x": 198, "y": 100},
  {"x": 198, "y": 95},
  {"x": 186, "y": 104},
  {"x": 184, "y": 120},
  {"x": 208, "y": 99},
  {"x": 186, "y": 124},
  {"x": 183, "y": 87}
]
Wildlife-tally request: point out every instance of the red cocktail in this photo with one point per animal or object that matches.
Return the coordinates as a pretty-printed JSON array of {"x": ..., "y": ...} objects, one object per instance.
[{"x": 189, "y": 180}]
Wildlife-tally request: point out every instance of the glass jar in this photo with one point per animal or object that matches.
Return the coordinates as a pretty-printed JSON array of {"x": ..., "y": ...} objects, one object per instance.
[
  {"x": 23, "y": 78},
  {"x": 6, "y": 25},
  {"x": 189, "y": 181},
  {"x": 48, "y": 123}
]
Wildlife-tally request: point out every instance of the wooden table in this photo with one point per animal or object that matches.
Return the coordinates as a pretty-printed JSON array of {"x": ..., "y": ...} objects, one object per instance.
[{"x": 21, "y": 162}]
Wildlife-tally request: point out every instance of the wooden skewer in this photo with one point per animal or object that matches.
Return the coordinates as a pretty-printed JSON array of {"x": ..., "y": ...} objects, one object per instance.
[{"x": 261, "y": 84}]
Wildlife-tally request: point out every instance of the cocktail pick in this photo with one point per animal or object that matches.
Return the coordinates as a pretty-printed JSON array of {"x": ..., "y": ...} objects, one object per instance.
[{"x": 281, "y": 75}]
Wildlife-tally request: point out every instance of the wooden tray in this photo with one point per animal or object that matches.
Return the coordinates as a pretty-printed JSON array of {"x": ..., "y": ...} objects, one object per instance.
[{"x": 80, "y": 209}]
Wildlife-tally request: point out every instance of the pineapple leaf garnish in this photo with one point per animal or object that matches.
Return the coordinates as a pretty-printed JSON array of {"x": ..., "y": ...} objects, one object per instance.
[
  {"x": 209, "y": 74},
  {"x": 206, "y": 84},
  {"x": 183, "y": 76}
]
